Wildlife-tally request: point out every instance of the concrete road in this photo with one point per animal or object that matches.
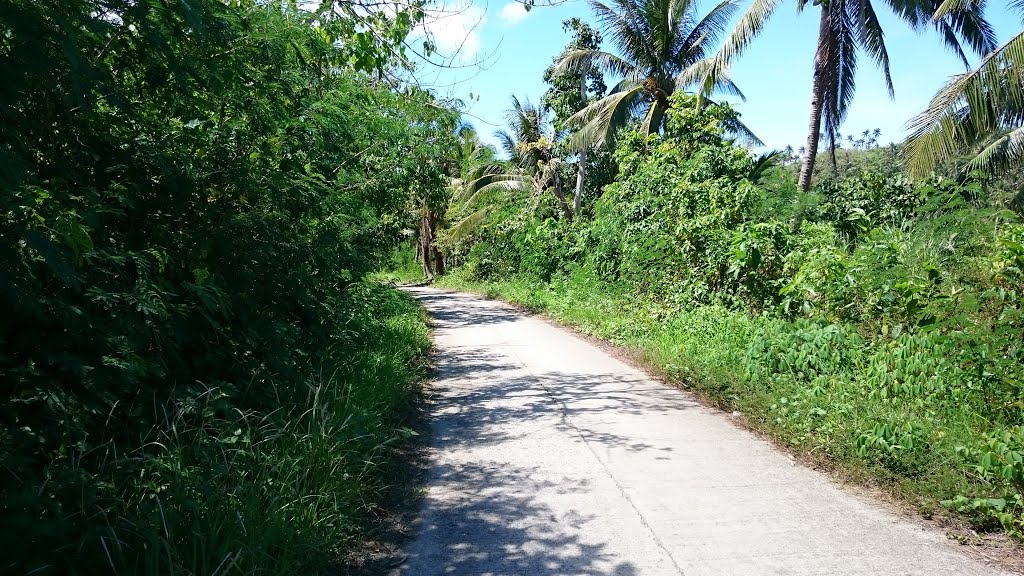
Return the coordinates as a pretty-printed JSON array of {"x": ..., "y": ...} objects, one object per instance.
[{"x": 550, "y": 457}]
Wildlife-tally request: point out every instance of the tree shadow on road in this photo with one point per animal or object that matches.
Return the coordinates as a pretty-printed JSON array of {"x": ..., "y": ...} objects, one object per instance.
[
  {"x": 486, "y": 517},
  {"x": 447, "y": 311},
  {"x": 489, "y": 521},
  {"x": 480, "y": 398}
]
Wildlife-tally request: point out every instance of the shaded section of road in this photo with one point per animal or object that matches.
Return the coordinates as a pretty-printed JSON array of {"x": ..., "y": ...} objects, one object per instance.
[{"x": 551, "y": 457}]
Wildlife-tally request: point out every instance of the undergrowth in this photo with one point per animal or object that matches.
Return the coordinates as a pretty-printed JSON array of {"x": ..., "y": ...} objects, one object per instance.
[
  {"x": 211, "y": 489},
  {"x": 195, "y": 375}
]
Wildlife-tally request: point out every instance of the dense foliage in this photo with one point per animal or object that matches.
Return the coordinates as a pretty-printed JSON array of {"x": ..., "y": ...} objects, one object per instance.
[
  {"x": 195, "y": 378},
  {"x": 876, "y": 321}
]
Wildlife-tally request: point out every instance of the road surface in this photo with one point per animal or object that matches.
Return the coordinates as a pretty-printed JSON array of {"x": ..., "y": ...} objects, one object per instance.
[{"x": 550, "y": 457}]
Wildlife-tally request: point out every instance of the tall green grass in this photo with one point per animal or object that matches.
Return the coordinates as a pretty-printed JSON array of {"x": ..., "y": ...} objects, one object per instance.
[{"x": 216, "y": 490}]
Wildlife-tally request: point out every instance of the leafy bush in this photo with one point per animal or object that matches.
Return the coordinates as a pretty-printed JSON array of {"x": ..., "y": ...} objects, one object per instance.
[
  {"x": 195, "y": 376},
  {"x": 999, "y": 462},
  {"x": 857, "y": 204},
  {"x": 667, "y": 221}
]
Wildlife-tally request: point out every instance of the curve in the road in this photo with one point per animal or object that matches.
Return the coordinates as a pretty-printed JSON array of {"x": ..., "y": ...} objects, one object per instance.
[{"x": 550, "y": 457}]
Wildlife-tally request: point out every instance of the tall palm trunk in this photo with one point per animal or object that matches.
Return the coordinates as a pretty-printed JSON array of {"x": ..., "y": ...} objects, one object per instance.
[
  {"x": 560, "y": 195},
  {"x": 581, "y": 167},
  {"x": 577, "y": 201},
  {"x": 821, "y": 71}
]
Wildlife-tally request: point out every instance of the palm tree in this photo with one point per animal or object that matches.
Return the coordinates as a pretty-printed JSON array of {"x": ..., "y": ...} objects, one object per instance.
[
  {"x": 532, "y": 166},
  {"x": 473, "y": 157},
  {"x": 569, "y": 93},
  {"x": 847, "y": 27},
  {"x": 474, "y": 160},
  {"x": 980, "y": 112},
  {"x": 466, "y": 160},
  {"x": 659, "y": 44},
  {"x": 530, "y": 145}
]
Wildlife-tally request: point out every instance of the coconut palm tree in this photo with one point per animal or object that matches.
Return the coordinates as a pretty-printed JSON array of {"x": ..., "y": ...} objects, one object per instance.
[
  {"x": 466, "y": 160},
  {"x": 530, "y": 144},
  {"x": 659, "y": 42},
  {"x": 980, "y": 113},
  {"x": 473, "y": 157},
  {"x": 474, "y": 160},
  {"x": 846, "y": 28},
  {"x": 569, "y": 92}
]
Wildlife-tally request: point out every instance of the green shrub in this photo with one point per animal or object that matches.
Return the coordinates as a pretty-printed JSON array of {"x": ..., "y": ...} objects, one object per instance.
[
  {"x": 999, "y": 462},
  {"x": 195, "y": 375}
]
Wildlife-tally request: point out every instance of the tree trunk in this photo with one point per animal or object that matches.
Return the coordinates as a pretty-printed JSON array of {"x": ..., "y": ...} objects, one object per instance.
[
  {"x": 581, "y": 167},
  {"x": 560, "y": 194},
  {"x": 426, "y": 245},
  {"x": 438, "y": 262},
  {"x": 822, "y": 60}
]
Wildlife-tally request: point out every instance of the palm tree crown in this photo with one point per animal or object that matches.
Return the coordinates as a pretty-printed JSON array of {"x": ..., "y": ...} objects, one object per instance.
[
  {"x": 847, "y": 28},
  {"x": 529, "y": 138},
  {"x": 981, "y": 111},
  {"x": 659, "y": 42},
  {"x": 533, "y": 165}
]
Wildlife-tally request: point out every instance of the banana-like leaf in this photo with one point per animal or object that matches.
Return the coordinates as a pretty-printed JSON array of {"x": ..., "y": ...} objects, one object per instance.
[
  {"x": 484, "y": 185},
  {"x": 468, "y": 225}
]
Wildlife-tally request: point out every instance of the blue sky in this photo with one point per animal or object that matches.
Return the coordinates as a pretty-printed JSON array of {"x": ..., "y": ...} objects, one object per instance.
[{"x": 516, "y": 46}]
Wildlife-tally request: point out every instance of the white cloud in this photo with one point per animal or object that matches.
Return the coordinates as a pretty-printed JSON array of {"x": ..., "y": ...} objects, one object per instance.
[
  {"x": 513, "y": 13},
  {"x": 456, "y": 31}
]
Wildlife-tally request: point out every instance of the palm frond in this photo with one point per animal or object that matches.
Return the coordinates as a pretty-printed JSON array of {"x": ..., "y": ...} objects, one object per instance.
[
  {"x": 1003, "y": 153},
  {"x": 508, "y": 143},
  {"x": 625, "y": 28},
  {"x": 708, "y": 32},
  {"x": 871, "y": 38},
  {"x": 958, "y": 23},
  {"x": 738, "y": 130},
  {"x": 969, "y": 27},
  {"x": 596, "y": 124},
  {"x": 624, "y": 85},
  {"x": 479, "y": 188},
  {"x": 696, "y": 78},
  {"x": 840, "y": 53},
  {"x": 747, "y": 28},
  {"x": 468, "y": 224},
  {"x": 762, "y": 164},
  {"x": 952, "y": 6},
  {"x": 652, "y": 120},
  {"x": 970, "y": 108},
  {"x": 465, "y": 130},
  {"x": 582, "y": 60}
]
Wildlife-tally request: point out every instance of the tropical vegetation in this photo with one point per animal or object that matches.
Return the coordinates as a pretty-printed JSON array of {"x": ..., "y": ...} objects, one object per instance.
[
  {"x": 846, "y": 28},
  {"x": 203, "y": 372},
  {"x": 979, "y": 114},
  {"x": 659, "y": 44},
  {"x": 197, "y": 376},
  {"x": 864, "y": 311}
]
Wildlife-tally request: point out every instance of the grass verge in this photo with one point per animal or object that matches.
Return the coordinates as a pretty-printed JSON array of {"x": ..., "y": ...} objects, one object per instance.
[{"x": 216, "y": 490}]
